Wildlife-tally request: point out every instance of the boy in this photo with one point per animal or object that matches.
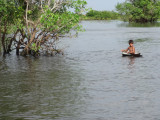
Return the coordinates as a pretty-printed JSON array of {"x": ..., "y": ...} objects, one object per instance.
[{"x": 130, "y": 49}]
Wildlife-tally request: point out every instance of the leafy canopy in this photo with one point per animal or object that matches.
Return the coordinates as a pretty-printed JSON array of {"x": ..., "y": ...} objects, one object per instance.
[{"x": 139, "y": 10}]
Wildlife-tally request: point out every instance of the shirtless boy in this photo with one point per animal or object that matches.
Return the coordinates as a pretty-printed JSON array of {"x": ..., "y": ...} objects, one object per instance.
[{"x": 130, "y": 49}]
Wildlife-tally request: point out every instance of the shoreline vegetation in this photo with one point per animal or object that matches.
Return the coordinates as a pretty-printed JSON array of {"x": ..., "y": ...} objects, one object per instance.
[
  {"x": 100, "y": 15},
  {"x": 133, "y": 11}
]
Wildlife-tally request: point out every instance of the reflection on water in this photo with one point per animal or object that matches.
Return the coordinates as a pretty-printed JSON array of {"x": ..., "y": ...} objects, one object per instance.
[
  {"x": 34, "y": 89},
  {"x": 132, "y": 61},
  {"x": 126, "y": 24},
  {"x": 92, "y": 81}
]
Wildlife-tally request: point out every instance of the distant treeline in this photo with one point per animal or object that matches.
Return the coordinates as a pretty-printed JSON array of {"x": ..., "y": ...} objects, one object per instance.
[{"x": 101, "y": 15}]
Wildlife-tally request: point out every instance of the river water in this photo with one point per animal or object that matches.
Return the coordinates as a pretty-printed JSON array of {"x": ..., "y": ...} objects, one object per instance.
[{"x": 91, "y": 81}]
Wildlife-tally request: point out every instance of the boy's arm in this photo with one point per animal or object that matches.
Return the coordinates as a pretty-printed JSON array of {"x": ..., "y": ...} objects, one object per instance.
[{"x": 125, "y": 50}]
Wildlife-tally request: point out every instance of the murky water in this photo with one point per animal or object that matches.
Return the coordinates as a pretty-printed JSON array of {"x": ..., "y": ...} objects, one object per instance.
[{"x": 92, "y": 81}]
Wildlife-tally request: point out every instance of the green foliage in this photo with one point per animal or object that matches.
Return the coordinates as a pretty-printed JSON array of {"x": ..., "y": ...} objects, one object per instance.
[
  {"x": 62, "y": 22},
  {"x": 102, "y": 15},
  {"x": 59, "y": 22},
  {"x": 139, "y": 10},
  {"x": 10, "y": 15},
  {"x": 79, "y": 5},
  {"x": 31, "y": 24},
  {"x": 35, "y": 47}
]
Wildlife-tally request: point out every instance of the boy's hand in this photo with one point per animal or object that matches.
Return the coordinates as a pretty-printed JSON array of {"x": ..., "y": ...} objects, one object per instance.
[{"x": 123, "y": 50}]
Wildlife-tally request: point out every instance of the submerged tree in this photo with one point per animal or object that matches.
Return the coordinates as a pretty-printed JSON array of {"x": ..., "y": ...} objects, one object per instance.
[
  {"x": 35, "y": 25},
  {"x": 141, "y": 11}
]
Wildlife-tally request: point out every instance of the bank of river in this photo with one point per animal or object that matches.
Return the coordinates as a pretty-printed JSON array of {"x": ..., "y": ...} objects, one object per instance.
[{"x": 92, "y": 81}]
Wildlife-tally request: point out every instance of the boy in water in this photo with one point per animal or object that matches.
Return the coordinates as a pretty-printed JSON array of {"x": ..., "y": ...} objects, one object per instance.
[{"x": 130, "y": 49}]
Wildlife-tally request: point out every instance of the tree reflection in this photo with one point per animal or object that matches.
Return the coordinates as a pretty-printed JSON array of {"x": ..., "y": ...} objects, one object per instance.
[
  {"x": 46, "y": 88},
  {"x": 127, "y": 24}
]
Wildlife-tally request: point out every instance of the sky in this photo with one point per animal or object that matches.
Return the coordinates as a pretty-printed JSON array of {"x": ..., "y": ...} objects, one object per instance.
[{"x": 103, "y": 4}]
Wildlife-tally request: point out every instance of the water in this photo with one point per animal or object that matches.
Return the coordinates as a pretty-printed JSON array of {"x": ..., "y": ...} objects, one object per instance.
[{"x": 92, "y": 81}]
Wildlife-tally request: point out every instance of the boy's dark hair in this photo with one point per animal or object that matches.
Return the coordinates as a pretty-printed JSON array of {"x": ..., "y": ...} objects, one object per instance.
[{"x": 130, "y": 41}]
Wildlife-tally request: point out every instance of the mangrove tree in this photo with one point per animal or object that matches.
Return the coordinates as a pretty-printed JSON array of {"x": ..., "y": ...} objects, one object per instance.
[
  {"x": 140, "y": 11},
  {"x": 31, "y": 26}
]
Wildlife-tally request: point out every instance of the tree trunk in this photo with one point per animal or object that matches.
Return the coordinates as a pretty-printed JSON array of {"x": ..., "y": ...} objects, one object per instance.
[
  {"x": 17, "y": 48},
  {"x": 0, "y": 36},
  {"x": 27, "y": 49},
  {"x": 11, "y": 40},
  {"x": 3, "y": 43},
  {"x": 3, "y": 39}
]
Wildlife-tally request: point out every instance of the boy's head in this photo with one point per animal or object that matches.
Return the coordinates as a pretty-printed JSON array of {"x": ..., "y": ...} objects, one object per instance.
[{"x": 130, "y": 42}]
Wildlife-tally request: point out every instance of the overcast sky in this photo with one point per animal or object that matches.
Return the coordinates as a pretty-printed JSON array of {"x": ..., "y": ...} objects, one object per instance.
[{"x": 103, "y": 4}]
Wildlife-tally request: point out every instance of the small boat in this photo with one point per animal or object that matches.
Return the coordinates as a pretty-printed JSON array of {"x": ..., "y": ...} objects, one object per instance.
[{"x": 124, "y": 54}]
